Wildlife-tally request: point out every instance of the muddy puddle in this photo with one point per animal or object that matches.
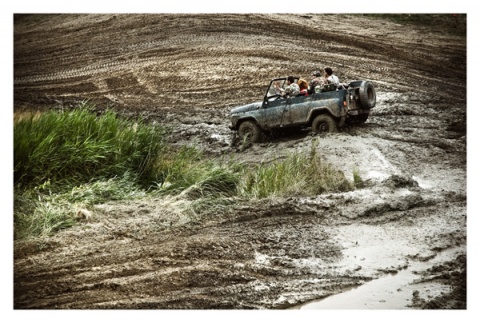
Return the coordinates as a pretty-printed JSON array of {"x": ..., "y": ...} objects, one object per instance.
[{"x": 393, "y": 291}]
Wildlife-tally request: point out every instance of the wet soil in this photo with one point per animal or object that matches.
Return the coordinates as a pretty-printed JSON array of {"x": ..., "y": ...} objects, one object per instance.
[{"x": 187, "y": 72}]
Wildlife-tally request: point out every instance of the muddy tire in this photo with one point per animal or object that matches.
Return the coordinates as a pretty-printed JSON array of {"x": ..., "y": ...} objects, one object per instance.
[
  {"x": 367, "y": 95},
  {"x": 324, "y": 123},
  {"x": 248, "y": 131}
]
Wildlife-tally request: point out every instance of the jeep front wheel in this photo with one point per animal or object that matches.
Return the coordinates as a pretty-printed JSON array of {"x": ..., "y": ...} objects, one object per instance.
[
  {"x": 249, "y": 131},
  {"x": 324, "y": 123}
]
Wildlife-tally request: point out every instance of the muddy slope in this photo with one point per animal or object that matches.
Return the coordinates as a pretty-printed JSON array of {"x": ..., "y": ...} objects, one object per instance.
[{"x": 187, "y": 71}]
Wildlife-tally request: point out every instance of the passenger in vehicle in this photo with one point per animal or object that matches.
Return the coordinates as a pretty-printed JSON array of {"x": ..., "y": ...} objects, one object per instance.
[
  {"x": 292, "y": 88},
  {"x": 330, "y": 77},
  {"x": 303, "y": 85},
  {"x": 316, "y": 84}
]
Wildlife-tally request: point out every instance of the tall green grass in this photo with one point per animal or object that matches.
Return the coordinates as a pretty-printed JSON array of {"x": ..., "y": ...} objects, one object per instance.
[
  {"x": 79, "y": 146},
  {"x": 189, "y": 172}
]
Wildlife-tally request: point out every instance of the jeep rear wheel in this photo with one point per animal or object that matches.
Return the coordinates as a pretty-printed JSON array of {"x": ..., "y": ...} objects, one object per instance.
[
  {"x": 324, "y": 123},
  {"x": 249, "y": 131}
]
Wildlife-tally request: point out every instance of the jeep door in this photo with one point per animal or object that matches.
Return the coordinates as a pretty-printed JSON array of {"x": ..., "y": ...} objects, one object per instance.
[
  {"x": 274, "y": 104},
  {"x": 273, "y": 112},
  {"x": 297, "y": 111}
]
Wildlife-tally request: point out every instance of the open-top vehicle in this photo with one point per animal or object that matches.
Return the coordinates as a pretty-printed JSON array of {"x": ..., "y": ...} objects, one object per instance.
[{"x": 326, "y": 111}]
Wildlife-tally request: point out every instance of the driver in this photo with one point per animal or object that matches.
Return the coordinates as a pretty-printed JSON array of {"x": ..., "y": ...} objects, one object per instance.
[
  {"x": 292, "y": 88},
  {"x": 274, "y": 90}
]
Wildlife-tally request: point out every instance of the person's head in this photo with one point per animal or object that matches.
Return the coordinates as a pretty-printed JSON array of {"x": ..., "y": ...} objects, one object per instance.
[
  {"x": 328, "y": 71},
  {"x": 290, "y": 80},
  {"x": 316, "y": 74},
  {"x": 302, "y": 84}
]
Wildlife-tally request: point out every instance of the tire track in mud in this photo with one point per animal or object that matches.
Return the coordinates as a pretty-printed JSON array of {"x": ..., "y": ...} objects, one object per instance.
[
  {"x": 86, "y": 71},
  {"x": 241, "y": 263},
  {"x": 215, "y": 256},
  {"x": 282, "y": 41}
]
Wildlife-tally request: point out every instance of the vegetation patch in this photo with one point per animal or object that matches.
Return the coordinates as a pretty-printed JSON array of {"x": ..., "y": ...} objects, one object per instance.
[
  {"x": 297, "y": 174},
  {"x": 78, "y": 146},
  {"x": 68, "y": 161},
  {"x": 41, "y": 211}
]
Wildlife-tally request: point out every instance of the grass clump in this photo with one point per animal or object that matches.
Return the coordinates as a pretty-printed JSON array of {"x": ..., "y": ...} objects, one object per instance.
[
  {"x": 78, "y": 147},
  {"x": 297, "y": 174},
  {"x": 41, "y": 211},
  {"x": 357, "y": 179},
  {"x": 37, "y": 217},
  {"x": 201, "y": 187},
  {"x": 188, "y": 172}
]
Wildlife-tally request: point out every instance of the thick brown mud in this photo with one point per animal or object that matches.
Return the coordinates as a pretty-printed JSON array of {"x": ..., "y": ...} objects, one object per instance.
[{"x": 187, "y": 72}]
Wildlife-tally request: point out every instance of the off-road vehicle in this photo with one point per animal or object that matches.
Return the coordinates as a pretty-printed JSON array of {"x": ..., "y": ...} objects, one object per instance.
[{"x": 326, "y": 111}]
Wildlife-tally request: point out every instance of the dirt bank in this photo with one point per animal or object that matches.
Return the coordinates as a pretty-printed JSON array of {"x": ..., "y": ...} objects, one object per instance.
[{"x": 187, "y": 72}]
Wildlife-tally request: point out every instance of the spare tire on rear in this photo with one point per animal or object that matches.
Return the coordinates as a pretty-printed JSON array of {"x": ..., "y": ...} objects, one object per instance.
[{"x": 367, "y": 95}]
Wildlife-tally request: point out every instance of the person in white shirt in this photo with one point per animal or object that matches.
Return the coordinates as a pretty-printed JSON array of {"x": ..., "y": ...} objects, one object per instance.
[{"x": 331, "y": 78}]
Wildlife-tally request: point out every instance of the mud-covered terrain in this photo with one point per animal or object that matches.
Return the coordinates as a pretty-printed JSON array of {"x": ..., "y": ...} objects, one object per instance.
[{"x": 187, "y": 72}]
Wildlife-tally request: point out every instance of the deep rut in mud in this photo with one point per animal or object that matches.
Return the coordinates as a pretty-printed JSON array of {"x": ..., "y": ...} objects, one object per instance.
[{"x": 187, "y": 71}]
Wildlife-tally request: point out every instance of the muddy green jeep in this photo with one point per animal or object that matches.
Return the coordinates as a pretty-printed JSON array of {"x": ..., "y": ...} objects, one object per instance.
[{"x": 326, "y": 111}]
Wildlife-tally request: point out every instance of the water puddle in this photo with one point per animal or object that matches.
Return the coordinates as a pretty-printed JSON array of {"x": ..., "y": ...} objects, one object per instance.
[{"x": 394, "y": 291}]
